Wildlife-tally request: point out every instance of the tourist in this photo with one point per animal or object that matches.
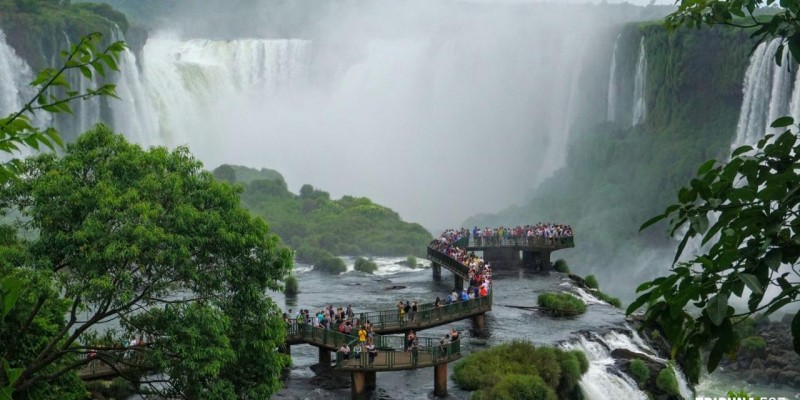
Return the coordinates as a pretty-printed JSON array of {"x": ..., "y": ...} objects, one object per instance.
[
  {"x": 362, "y": 336},
  {"x": 372, "y": 351},
  {"x": 401, "y": 312},
  {"x": 453, "y": 334},
  {"x": 349, "y": 314},
  {"x": 443, "y": 345},
  {"x": 437, "y": 303},
  {"x": 413, "y": 314},
  {"x": 345, "y": 349}
]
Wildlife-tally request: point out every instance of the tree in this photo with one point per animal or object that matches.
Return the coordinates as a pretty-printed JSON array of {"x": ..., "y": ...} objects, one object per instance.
[
  {"x": 746, "y": 212},
  {"x": 17, "y": 132},
  {"x": 150, "y": 241}
]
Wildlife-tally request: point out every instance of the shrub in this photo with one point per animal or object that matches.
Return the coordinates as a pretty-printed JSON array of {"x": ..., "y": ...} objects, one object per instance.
[
  {"x": 561, "y": 304},
  {"x": 667, "y": 382},
  {"x": 120, "y": 389},
  {"x": 753, "y": 344},
  {"x": 561, "y": 266},
  {"x": 519, "y": 370},
  {"x": 364, "y": 265},
  {"x": 518, "y": 387},
  {"x": 311, "y": 255},
  {"x": 640, "y": 371},
  {"x": 591, "y": 281},
  {"x": 331, "y": 265},
  {"x": 291, "y": 287},
  {"x": 411, "y": 261},
  {"x": 609, "y": 299}
]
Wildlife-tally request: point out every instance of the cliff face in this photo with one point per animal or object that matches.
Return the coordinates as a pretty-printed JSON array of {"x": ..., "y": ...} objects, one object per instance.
[
  {"x": 39, "y": 29},
  {"x": 617, "y": 175}
]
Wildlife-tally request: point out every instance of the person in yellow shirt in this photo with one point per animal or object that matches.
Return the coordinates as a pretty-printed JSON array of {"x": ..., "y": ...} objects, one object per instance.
[{"x": 362, "y": 336}]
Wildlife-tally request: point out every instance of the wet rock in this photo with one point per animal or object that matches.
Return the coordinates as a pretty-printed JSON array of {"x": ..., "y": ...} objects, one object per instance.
[{"x": 394, "y": 287}]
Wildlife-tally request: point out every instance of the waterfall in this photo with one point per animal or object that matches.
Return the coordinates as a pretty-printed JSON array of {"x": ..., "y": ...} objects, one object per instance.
[
  {"x": 766, "y": 92},
  {"x": 611, "y": 113},
  {"x": 604, "y": 379},
  {"x": 15, "y": 76},
  {"x": 639, "y": 82}
]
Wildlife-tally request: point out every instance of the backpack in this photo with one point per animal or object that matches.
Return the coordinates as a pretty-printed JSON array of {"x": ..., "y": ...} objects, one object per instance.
[{"x": 407, "y": 308}]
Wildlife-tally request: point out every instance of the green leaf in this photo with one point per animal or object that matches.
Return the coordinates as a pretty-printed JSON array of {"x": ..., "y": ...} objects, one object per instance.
[
  {"x": 717, "y": 309},
  {"x": 773, "y": 259},
  {"x": 706, "y": 167},
  {"x": 741, "y": 150},
  {"x": 752, "y": 282},
  {"x": 652, "y": 221}
]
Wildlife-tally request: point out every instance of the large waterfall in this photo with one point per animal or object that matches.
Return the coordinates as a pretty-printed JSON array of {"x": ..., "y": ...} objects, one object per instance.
[
  {"x": 15, "y": 74},
  {"x": 639, "y": 83}
]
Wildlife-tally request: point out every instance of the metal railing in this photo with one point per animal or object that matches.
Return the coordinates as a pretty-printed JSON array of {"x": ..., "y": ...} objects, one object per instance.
[
  {"x": 393, "y": 353},
  {"x": 319, "y": 336},
  {"x": 540, "y": 242},
  {"x": 448, "y": 262},
  {"x": 427, "y": 314}
]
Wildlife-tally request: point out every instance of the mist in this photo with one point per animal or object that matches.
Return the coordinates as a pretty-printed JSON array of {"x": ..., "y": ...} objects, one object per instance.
[{"x": 439, "y": 110}]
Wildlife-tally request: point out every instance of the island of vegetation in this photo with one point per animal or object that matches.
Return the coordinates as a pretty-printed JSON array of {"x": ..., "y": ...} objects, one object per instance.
[{"x": 319, "y": 228}]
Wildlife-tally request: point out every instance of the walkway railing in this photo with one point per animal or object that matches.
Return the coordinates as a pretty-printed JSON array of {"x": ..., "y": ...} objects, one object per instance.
[
  {"x": 393, "y": 354},
  {"x": 537, "y": 242},
  {"x": 448, "y": 262},
  {"x": 428, "y": 314}
]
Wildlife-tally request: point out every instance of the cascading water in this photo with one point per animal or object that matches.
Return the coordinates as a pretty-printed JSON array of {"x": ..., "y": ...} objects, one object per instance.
[
  {"x": 766, "y": 95},
  {"x": 604, "y": 379},
  {"x": 639, "y": 82},
  {"x": 15, "y": 74},
  {"x": 611, "y": 113}
]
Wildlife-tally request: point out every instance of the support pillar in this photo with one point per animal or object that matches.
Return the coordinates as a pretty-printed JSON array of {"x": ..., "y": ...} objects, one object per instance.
[
  {"x": 437, "y": 271},
  {"x": 478, "y": 321},
  {"x": 358, "y": 387},
  {"x": 324, "y": 358},
  {"x": 440, "y": 380}
]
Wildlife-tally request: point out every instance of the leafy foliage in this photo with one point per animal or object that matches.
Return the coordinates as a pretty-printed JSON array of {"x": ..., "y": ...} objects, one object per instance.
[
  {"x": 667, "y": 381},
  {"x": 561, "y": 266},
  {"x": 331, "y": 265},
  {"x": 364, "y": 265},
  {"x": 591, "y": 281},
  {"x": 561, "y": 304},
  {"x": 411, "y": 261},
  {"x": 149, "y": 239},
  {"x": 639, "y": 371},
  {"x": 318, "y": 227},
  {"x": 520, "y": 370},
  {"x": 291, "y": 287},
  {"x": 753, "y": 344},
  {"x": 746, "y": 208}
]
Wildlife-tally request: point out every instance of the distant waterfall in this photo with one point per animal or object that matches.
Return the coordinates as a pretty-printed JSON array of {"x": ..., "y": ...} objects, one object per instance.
[
  {"x": 767, "y": 94},
  {"x": 611, "y": 114},
  {"x": 604, "y": 379},
  {"x": 639, "y": 82},
  {"x": 15, "y": 76}
]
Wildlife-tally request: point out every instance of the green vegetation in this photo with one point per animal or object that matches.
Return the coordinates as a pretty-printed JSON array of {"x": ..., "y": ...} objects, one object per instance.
[
  {"x": 291, "y": 287},
  {"x": 667, "y": 382},
  {"x": 319, "y": 228},
  {"x": 561, "y": 266},
  {"x": 520, "y": 370},
  {"x": 37, "y": 28},
  {"x": 640, "y": 371},
  {"x": 411, "y": 261},
  {"x": 591, "y": 281},
  {"x": 753, "y": 345},
  {"x": 561, "y": 304},
  {"x": 120, "y": 231},
  {"x": 331, "y": 265},
  {"x": 364, "y": 265}
]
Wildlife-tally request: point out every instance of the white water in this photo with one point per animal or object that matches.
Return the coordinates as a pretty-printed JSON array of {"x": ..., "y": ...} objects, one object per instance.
[
  {"x": 767, "y": 93},
  {"x": 604, "y": 380},
  {"x": 639, "y": 83},
  {"x": 611, "y": 113}
]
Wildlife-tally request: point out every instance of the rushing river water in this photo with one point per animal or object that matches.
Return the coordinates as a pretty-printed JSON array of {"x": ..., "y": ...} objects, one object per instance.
[{"x": 601, "y": 329}]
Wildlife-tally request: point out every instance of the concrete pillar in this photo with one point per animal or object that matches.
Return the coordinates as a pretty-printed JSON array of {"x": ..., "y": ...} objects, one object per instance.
[
  {"x": 440, "y": 380},
  {"x": 324, "y": 358},
  {"x": 437, "y": 271},
  {"x": 478, "y": 321},
  {"x": 358, "y": 387},
  {"x": 371, "y": 380}
]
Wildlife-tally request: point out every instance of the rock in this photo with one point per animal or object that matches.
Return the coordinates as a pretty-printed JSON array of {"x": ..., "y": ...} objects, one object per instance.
[{"x": 394, "y": 287}]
